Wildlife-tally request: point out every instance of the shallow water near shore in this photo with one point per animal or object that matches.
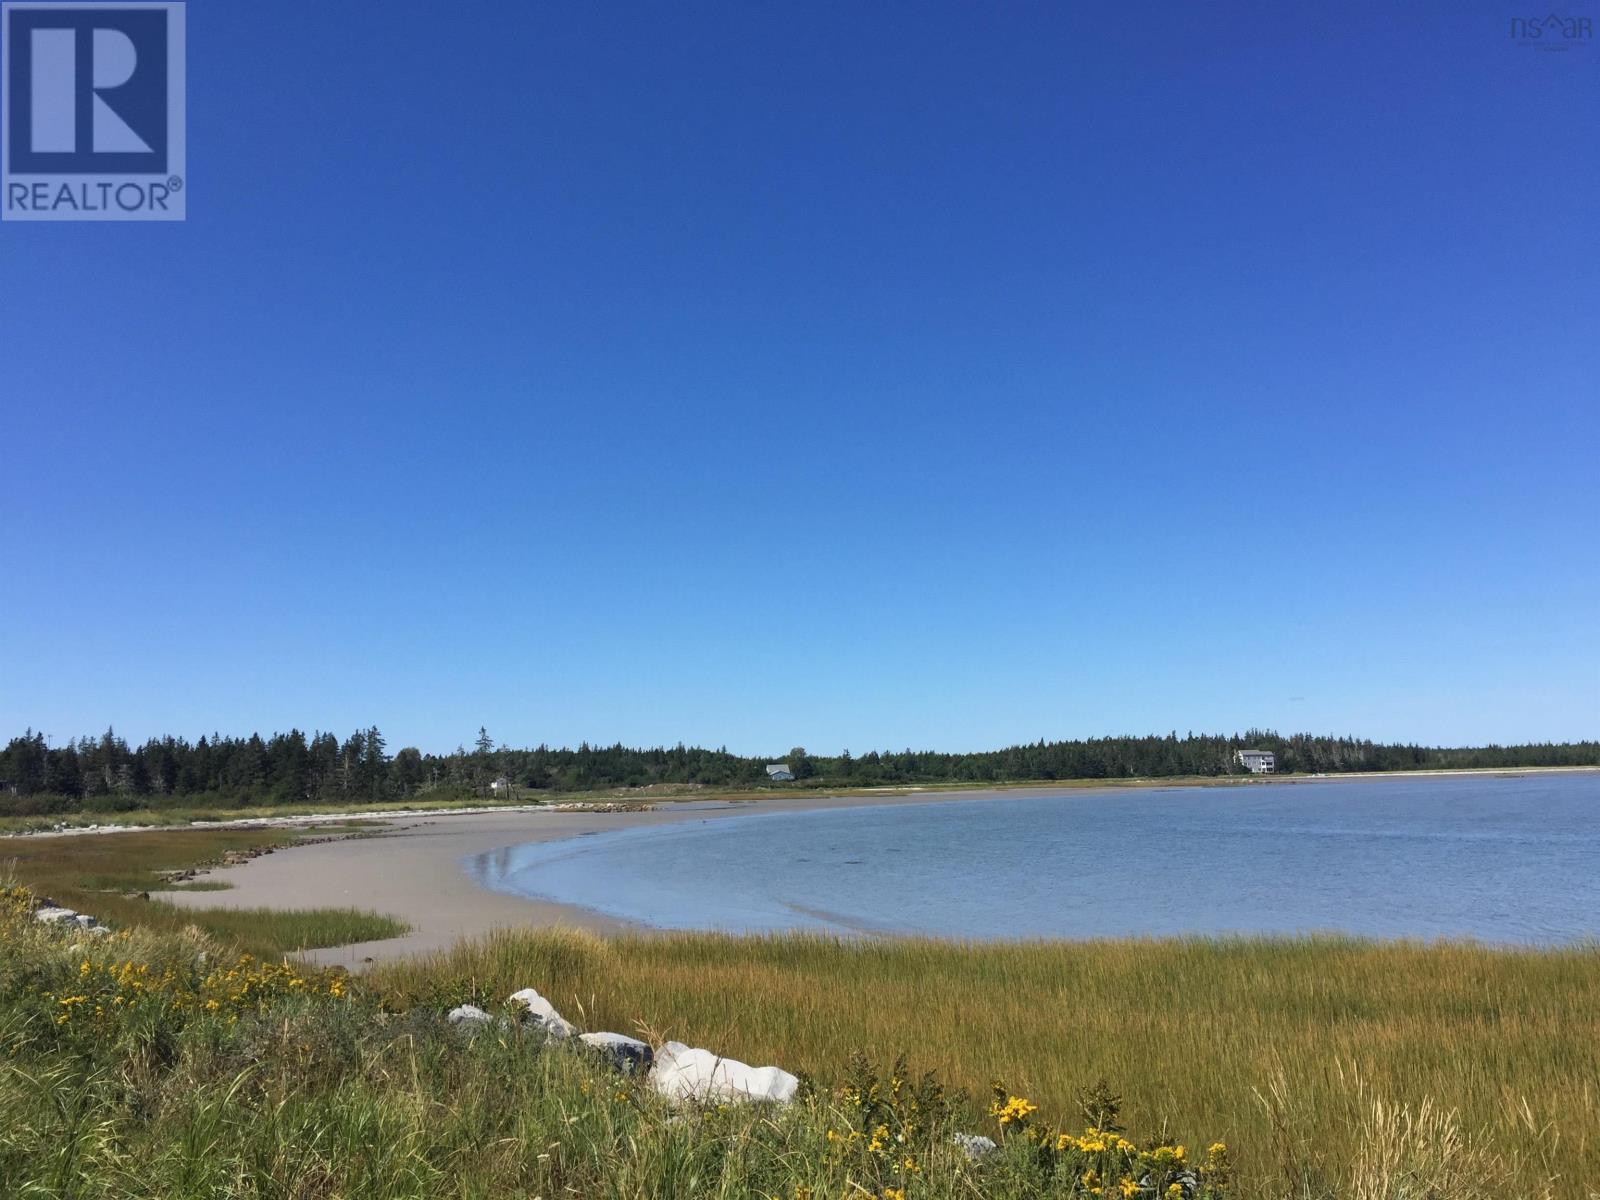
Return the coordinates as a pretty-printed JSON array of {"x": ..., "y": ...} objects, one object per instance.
[{"x": 1499, "y": 859}]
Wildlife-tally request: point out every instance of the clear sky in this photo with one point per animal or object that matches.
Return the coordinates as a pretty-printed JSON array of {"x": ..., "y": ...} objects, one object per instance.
[{"x": 851, "y": 375}]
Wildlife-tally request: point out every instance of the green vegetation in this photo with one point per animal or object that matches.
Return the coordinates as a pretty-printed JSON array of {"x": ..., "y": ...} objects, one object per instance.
[
  {"x": 133, "y": 1067},
  {"x": 286, "y": 930},
  {"x": 222, "y": 775},
  {"x": 1302, "y": 1054},
  {"x": 109, "y": 874}
]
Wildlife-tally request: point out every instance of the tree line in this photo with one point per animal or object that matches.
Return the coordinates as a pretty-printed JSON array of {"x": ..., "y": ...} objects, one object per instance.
[{"x": 292, "y": 768}]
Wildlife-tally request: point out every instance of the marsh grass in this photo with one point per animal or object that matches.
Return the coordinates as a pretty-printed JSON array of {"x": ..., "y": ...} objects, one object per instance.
[
  {"x": 286, "y": 930},
  {"x": 133, "y": 1068},
  {"x": 109, "y": 874},
  {"x": 1358, "y": 1041},
  {"x": 150, "y": 1064}
]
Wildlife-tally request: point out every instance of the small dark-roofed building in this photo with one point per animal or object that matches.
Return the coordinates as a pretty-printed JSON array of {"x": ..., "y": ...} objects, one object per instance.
[{"x": 779, "y": 772}]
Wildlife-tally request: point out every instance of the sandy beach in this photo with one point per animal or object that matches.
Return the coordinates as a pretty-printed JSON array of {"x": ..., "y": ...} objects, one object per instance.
[{"x": 415, "y": 870}]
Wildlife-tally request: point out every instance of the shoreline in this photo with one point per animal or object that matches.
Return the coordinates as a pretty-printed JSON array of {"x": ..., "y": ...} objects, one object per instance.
[
  {"x": 418, "y": 871},
  {"x": 679, "y": 794}
]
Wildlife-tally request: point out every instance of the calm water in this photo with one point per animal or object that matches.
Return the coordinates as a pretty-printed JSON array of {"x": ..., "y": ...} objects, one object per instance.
[{"x": 1502, "y": 860}]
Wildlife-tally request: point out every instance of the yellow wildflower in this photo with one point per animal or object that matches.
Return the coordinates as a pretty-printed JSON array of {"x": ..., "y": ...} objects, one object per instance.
[{"x": 1016, "y": 1110}]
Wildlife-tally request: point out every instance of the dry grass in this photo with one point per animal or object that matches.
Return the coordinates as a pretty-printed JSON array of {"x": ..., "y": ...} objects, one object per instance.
[{"x": 1447, "y": 1056}]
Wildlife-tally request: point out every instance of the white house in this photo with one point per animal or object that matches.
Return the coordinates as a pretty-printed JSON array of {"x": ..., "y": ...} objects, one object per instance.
[
  {"x": 779, "y": 772},
  {"x": 1257, "y": 762}
]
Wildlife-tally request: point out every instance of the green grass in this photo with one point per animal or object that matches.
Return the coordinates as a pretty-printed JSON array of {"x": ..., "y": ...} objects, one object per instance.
[
  {"x": 1329, "y": 1067},
  {"x": 108, "y": 874},
  {"x": 134, "y": 1068},
  {"x": 1199, "y": 1036},
  {"x": 199, "y": 885},
  {"x": 285, "y": 930}
]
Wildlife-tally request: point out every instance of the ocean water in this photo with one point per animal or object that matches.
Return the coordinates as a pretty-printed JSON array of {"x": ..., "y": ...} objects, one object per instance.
[{"x": 1505, "y": 860}]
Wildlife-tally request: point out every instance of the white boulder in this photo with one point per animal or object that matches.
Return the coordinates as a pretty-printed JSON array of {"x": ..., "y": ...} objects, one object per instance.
[
  {"x": 974, "y": 1145},
  {"x": 85, "y": 920},
  {"x": 629, "y": 1055},
  {"x": 54, "y": 916},
  {"x": 542, "y": 1013},
  {"x": 685, "y": 1073},
  {"x": 469, "y": 1015}
]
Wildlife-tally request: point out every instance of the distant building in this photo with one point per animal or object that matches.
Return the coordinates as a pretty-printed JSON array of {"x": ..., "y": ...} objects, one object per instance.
[
  {"x": 1257, "y": 762},
  {"x": 779, "y": 772}
]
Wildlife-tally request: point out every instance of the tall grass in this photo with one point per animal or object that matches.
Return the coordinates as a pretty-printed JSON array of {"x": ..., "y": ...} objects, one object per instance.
[
  {"x": 136, "y": 1066},
  {"x": 1197, "y": 1035},
  {"x": 287, "y": 930},
  {"x": 131, "y": 1067}
]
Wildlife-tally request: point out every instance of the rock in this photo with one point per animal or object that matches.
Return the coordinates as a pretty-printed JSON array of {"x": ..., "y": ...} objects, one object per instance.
[
  {"x": 684, "y": 1073},
  {"x": 974, "y": 1145},
  {"x": 628, "y": 1055},
  {"x": 468, "y": 1015},
  {"x": 54, "y": 916},
  {"x": 542, "y": 1013},
  {"x": 85, "y": 920},
  {"x": 99, "y": 930}
]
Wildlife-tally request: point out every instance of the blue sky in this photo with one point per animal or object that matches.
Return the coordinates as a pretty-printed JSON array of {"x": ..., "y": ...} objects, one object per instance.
[{"x": 837, "y": 375}]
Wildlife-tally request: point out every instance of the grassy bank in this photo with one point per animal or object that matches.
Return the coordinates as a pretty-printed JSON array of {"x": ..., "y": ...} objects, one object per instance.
[
  {"x": 151, "y": 1065},
  {"x": 1280, "y": 1048},
  {"x": 1323, "y": 1063},
  {"x": 111, "y": 876}
]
